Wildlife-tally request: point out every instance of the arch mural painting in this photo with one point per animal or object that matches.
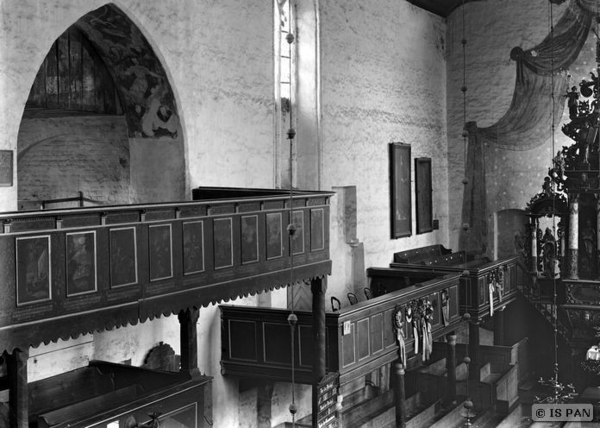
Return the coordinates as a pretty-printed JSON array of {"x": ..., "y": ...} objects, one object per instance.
[{"x": 140, "y": 79}]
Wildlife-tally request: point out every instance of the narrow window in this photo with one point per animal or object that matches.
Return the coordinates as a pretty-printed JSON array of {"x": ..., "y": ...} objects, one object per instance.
[{"x": 284, "y": 88}]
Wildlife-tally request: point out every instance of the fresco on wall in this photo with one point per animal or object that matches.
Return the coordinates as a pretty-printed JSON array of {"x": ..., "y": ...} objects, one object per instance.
[{"x": 139, "y": 77}]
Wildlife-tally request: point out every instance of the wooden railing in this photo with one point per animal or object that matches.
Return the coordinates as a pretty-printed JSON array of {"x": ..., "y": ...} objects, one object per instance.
[
  {"x": 371, "y": 342},
  {"x": 72, "y": 271},
  {"x": 502, "y": 276},
  {"x": 256, "y": 342}
]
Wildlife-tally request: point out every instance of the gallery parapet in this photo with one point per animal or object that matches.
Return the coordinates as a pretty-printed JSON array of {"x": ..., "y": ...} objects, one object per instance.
[{"x": 129, "y": 263}]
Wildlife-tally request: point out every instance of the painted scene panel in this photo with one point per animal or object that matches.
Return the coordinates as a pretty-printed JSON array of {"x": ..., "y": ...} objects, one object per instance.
[
  {"x": 249, "y": 244},
  {"x": 223, "y": 237},
  {"x": 160, "y": 252},
  {"x": 81, "y": 263},
  {"x": 274, "y": 236},
  {"x": 298, "y": 237},
  {"x": 123, "y": 257},
  {"x": 193, "y": 247},
  {"x": 317, "y": 229},
  {"x": 33, "y": 270}
]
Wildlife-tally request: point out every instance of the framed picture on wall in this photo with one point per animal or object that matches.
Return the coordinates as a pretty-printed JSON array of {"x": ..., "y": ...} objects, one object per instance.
[
  {"x": 400, "y": 203},
  {"x": 6, "y": 168},
  {"x": 424, "y": 195}
]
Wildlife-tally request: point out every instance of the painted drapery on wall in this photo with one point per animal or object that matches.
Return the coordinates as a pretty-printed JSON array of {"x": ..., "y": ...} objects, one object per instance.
[{"x": 540, "y": 75}]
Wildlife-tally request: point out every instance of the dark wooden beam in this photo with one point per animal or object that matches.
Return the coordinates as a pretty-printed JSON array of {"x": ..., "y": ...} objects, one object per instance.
[{"x": 18, "y": 396}]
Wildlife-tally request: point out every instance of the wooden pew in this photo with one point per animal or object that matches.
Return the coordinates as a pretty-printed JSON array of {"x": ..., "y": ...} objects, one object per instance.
[{"x": 478, "y": 276}]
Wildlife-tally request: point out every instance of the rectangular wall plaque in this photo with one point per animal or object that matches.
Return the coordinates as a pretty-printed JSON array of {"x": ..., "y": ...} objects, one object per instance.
[
  {"x": 424, "y": 195},
  {"x": 401, "y": 210},
  {"x": 6, "y": 168}
]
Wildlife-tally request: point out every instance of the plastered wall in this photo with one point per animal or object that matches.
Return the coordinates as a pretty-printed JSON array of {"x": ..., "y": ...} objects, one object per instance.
[
  {"x": 383, "y": 80},
  {"x": 61, "y": 156},
  {"x": 218, "y": 56}
]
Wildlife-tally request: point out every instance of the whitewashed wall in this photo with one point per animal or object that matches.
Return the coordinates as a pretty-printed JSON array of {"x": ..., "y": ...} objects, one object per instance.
[
  {"x": 383, "y": 80},
  {"x": 218, "y": 56}
]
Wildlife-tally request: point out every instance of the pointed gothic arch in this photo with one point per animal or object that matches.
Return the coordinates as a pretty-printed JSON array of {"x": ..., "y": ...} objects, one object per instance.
[{"x": 105, "y": 115}]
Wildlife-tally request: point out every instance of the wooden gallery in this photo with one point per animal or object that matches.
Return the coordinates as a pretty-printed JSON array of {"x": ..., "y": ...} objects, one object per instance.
[{"x": 299, "y": 213}]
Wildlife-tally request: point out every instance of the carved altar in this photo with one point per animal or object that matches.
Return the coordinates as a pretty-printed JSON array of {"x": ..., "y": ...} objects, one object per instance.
[
  {"x": 570, "y": 196},
  {"x": 562, "y": 240}
]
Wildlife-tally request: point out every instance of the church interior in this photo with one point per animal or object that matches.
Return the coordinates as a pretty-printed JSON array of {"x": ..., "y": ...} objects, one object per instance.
[{"x": 299, "y": 213}]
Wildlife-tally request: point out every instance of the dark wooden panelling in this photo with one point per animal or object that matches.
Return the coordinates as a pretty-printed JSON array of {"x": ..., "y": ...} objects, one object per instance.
[
  {"x": 364, "y": 348},
  {"x": 437, "y": 306},
  {"x": 376, "y": 333},
  {"x": 453, "y": 311},
  {"x": 277, "y": 351},
  {"x": 242, "y": 340},
  {"x": 139, "y": 286},
  {"x": 306, "y": 350},
  {"x": 348, "y": 351},
  {"x": 388, "y": 327},
  {"x": 160, "y": 249}
]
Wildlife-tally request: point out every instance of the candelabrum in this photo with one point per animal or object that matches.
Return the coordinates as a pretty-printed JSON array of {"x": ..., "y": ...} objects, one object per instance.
[{"x": 560, "y": 394}]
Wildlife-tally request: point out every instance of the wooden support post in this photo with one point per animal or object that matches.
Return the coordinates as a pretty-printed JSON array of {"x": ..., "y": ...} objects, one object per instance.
[
  {"x": 474, "y": 349},
  {"x": 189, "y": 340},
  {"x": 534, "y": 245},
  {"x": 573, "y": 254},
  {"x": 18, "y": 394},
  {"x": 451, "y": 369},
  {"x": 399, "y": 394},
  {"x": 499, "y": 326},
  {"x": 318, "y": 288},
  {"x": 597, "y": 238}
]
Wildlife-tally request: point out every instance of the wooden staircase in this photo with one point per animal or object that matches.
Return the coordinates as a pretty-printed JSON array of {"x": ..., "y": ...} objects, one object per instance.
[{"x": 544, "y": 305}]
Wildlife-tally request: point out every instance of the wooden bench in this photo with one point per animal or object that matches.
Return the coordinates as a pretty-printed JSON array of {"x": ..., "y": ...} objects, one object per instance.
[
  {"x": 105, "y": 391},
  {"x": 77, "y": 385}
]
